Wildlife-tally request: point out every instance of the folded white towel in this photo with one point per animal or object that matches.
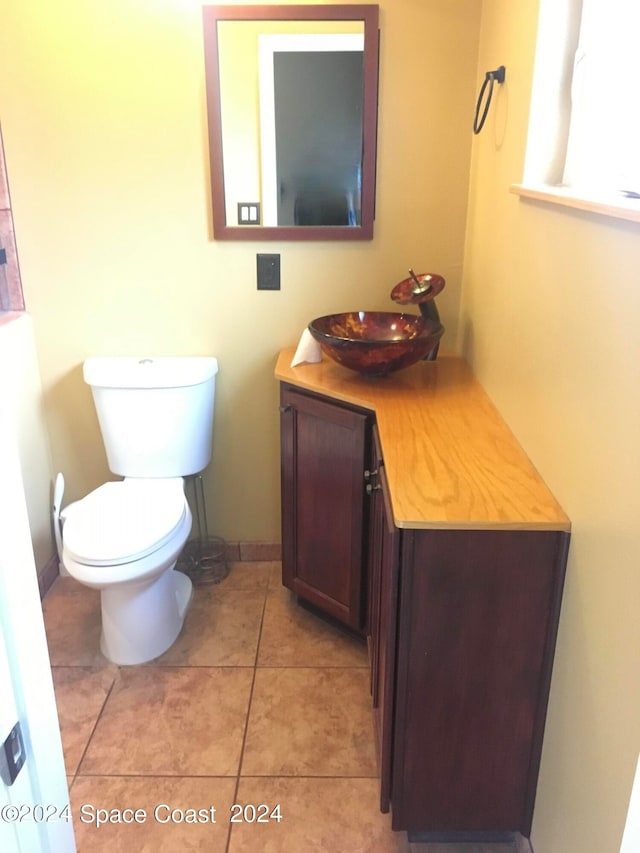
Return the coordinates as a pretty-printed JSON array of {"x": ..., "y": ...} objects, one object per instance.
[{"x": 308, "y": 350}]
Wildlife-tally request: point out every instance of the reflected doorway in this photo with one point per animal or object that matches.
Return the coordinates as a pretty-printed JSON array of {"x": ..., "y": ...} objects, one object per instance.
[{"x": 311, "y": 120}]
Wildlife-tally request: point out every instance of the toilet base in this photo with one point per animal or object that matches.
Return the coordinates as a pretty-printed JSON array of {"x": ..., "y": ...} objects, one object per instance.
[{"x": 141, "y": 621}]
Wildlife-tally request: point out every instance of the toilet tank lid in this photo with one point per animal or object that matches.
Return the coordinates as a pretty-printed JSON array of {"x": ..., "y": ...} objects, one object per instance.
[{"x": 164, "y": 372}]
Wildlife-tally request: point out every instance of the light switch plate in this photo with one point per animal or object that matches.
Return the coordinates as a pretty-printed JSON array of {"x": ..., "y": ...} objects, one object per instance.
[{"x": 268, "y": 272}]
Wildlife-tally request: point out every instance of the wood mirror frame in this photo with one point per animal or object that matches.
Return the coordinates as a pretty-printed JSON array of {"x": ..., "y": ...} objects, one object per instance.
[{"x": 368, "y": 15}]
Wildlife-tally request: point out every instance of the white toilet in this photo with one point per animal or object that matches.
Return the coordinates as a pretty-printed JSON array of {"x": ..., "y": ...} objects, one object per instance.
[{"x": 156, "y": 419}]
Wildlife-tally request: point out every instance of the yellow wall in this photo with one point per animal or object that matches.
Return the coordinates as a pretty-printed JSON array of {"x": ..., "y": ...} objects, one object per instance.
[
  {"x": 104, "y": 127},
  {"x": 21, "y": 391},
  {"x": 550, "y": 321},
  {"x": 240, "y": 113}
]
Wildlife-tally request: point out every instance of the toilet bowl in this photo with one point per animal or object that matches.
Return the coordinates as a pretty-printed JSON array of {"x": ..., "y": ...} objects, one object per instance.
[{"x": 124, "y": 539}]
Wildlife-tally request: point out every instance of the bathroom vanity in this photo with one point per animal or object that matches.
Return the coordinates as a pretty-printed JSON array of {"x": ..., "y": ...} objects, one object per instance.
[{"x": 411, "y": 515}]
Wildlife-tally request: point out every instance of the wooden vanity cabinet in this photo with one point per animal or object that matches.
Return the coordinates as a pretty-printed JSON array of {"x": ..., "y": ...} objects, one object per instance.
[
  {"x": 462, "y": 629},
  {"x": 460, "y": 602},
  {"x": 384, "y": 540},
  {"x": 324, "y": 454}
]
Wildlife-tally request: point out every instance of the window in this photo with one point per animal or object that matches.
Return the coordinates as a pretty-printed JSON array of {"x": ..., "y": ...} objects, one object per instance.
[
  {"x": 583, "y": 147},
  {"x": 603, "y": 147}
]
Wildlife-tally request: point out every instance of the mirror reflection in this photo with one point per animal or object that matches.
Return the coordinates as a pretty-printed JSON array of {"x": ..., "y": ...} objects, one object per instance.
[
  {"x": 292, "y": 116},
  {"x": 292, "y": 122}
]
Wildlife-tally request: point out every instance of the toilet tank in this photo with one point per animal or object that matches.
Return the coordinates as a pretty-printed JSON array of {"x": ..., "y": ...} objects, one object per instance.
[{"x": 155, "y": 414}]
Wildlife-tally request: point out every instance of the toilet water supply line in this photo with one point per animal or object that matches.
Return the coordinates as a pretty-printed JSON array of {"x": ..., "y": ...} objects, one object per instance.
[{"x": 497, "y": 75}]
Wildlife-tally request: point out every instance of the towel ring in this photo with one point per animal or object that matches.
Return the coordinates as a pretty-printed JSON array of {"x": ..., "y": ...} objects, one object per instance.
[{"x": 489, "y": 79}]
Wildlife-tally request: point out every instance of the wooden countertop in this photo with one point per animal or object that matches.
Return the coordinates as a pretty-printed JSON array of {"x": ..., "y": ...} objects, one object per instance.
[{"x": 451, "y": 461}]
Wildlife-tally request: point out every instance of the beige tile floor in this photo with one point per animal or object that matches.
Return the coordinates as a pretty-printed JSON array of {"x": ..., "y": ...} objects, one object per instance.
[{"x": 258, "y": 702}]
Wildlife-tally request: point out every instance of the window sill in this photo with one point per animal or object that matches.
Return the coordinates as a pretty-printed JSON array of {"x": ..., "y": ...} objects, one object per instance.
[{"x": 615, "y": 206}]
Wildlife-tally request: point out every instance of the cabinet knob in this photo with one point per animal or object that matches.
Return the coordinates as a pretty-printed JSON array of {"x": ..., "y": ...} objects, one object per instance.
[
  {"x": 371, "y": 489},
  {"x": 369, "y": 474},
  {"x": 285, "y": 409}
]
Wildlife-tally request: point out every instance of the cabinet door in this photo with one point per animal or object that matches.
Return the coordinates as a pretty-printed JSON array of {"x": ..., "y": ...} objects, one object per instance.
[
  {"x": 323, "y": 460},
  {"x": 477, "y": 625},
  {"x": 384, "y": 609}
]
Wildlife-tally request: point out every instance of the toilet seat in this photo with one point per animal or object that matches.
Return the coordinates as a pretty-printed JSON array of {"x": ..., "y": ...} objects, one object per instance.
[{"x": 121, "y": 522}]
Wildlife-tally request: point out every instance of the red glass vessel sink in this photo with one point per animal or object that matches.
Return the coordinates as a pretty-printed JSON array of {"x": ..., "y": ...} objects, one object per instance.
[{"x": 376, "y": 342}]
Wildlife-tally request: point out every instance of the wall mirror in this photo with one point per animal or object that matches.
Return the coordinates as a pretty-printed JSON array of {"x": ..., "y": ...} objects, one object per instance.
[{"x": 292, "y": 101}]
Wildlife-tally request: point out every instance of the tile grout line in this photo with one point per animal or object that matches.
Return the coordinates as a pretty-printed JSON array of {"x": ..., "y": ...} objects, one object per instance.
[
  {"x": 93, "y": 730},
  {"x": 246, "y": 723}
]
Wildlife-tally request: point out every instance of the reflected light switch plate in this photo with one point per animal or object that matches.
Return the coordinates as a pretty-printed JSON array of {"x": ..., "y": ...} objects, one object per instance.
[{"x": 248, "y": 213}]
